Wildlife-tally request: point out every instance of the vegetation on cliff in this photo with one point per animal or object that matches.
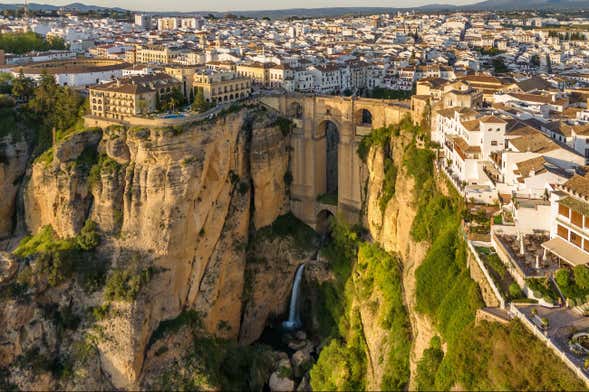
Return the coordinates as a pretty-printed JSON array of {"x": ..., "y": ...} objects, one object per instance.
[
  {"x": 484, "y": 356},
  {"x": 365, "y": 276},
  {"x": 210, "y": 363},
  {"x": 46, "y": 106},
  {"x": 58, "y": 260}
]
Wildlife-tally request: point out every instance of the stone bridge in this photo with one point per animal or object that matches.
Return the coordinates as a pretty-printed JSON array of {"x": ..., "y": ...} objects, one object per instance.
[{"x": 328, "y": 175}]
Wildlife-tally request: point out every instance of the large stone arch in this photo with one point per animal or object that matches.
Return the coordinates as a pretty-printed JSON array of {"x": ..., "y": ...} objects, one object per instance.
[
  {"x": 329, "y": 130},
  {"x": 309, "y": 150}
]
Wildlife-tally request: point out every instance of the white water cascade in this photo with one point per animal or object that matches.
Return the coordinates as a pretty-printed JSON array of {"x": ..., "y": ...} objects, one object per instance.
[{"x": 294, "y": 318}]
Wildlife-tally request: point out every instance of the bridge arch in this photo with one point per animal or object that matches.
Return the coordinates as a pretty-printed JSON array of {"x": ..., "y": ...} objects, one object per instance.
[
  {"x": 325, "y": 221},
  {"x": 330, "y": 130},
  {"x": 363, "y": 117},
  {"x": 295, "y": 110}
]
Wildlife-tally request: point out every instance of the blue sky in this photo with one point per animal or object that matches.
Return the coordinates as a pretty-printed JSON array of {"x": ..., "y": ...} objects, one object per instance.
[{"x": 242, "y": 5}]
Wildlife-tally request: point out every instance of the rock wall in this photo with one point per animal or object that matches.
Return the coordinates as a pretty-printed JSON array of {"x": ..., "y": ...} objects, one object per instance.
[
  {"x": 269, "y": 158},
  {"x": 391, "y": 229},
  {"x": 270, "y": 272},
  {"x": 14, "y": 154},
  {"x": 177, "y": 201},
  {"x": 57, "y": 193}
]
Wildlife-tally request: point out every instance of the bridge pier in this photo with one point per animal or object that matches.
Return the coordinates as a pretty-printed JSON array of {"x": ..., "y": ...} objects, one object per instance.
[{"x": 309, "y": 152}]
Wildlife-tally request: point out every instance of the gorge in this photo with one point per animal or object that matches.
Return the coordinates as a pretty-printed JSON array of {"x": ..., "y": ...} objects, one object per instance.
[{"x": 157, "y": 256}]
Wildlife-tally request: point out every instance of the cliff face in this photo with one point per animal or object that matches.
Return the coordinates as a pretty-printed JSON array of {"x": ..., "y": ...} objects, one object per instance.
[
  {"x": 57, "y": 193},
  {"x": 391, "y": 229},
  {"x": 14, "y": 154},
  {"x": 174, "y": 202}
]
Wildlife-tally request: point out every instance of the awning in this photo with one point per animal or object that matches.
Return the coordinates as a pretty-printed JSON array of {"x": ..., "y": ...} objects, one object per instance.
[{"x": 566, "y": 251}]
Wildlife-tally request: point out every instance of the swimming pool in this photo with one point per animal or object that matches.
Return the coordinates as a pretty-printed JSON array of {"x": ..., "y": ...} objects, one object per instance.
[{"x": 178, "y": 115}]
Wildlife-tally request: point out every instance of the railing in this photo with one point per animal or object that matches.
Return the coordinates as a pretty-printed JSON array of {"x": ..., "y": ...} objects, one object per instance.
[{"x": 551, "y": 344}]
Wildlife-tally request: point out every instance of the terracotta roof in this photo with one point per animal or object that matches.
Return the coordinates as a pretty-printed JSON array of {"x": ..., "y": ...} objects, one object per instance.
[
  {"x": 535, "y": 165},
  {"x": 492, "y": 120},
  {"x": 537, "y": 143},
  {"x": 471, "y": 125},
  {"x": 578, "y": 185}
]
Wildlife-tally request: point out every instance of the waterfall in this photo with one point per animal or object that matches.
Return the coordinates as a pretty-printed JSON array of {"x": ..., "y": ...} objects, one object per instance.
[{"x": 294, "y": 319}]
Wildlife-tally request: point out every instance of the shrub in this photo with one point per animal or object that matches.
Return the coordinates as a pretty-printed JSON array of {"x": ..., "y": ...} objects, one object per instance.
[
  {"x": 125, "y": 284},
  {"x": 581, "y": 274},
  {"x": 515, "y": 291},
  {"x": 378, "y": 137},
  {"x": 428, "y": 366},
  {"x": 88, "y": 238},
  {"x": 563, "y": 277}
]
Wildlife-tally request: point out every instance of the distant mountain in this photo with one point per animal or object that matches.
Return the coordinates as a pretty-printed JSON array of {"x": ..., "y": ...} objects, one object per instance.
[
  {"x": 48, "y": 7},
  {"x": 503, "y": 5},
  {"x": 528, "y": 4}
]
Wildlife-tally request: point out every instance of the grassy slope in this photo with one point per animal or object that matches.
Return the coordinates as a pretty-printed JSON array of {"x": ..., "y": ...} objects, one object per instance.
[
  {"x": 487, "y": 356},
  {"x": 361, "y": 270}
]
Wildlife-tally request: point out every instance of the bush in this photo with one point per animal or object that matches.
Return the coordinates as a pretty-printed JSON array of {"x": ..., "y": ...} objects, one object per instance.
[
  {"x": 215, "y": 364},
  {"x": 104, "y": 165},
  {"x": 285, "y": 125},
  {"x": 563, "y": 278},
  {"x": 378, "y": 137},
  {"x": 388, "y": 186},
  {"x": 581, "y": 274},
  {"x": 88, "y": 239},
  {"x": 125, "y": 284},
  {"x": 290, "y": 226},
  {"x": 491, "y": 356},
  {"x": 515, "y": 291},
  {"x": 428, "y": 366}
]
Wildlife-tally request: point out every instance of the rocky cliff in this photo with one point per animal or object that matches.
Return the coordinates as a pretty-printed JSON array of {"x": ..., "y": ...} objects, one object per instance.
[
  {"x": 390, "y": 227},
  {"x": 173, "y": 207},
  {"x": 14, "y": 155}
]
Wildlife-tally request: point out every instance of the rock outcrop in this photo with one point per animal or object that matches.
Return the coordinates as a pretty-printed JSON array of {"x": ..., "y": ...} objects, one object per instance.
[
  {"x": 14, "y": 154},
  {"x": 269, "y": 158},
  {"x": 270, "y": 271},
  {"x": 391, "y": 229},
  {"x": 57, "y": 193},
  {"x": 176, "y": 205}
]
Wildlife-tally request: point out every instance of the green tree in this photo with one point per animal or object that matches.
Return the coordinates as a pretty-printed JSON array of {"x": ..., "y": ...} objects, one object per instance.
[
  {"x": 6, "y": 80},
  {"x": 172, "y": 100},
  {"x": 88, "y": 238},
  {"x": 23, "y": 87},
  {"x": 200, "y": 104},
  {"x": 20, "y": 43},
  {"x": 581, "y": 274}
]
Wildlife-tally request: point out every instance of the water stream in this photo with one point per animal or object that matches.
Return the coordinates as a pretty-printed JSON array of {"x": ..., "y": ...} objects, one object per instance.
[{"x": 294, "y": 317}]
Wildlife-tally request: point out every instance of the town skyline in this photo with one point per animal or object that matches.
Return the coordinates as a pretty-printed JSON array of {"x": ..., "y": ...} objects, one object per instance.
[{"x": 255, "y": 5}]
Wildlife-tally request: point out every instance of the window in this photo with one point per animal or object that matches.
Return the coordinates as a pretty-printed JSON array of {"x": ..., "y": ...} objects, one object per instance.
[
  {"x": 498, "y": 129},
  {"x": 577, "y": 219},
  {"x": 564, "y": 211},
  {"x": 586, "y": 245},
  {"x": 562, "y": 232},
  {"x": 576, "y": 239},
  {"x": 494, "y": 142}
]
